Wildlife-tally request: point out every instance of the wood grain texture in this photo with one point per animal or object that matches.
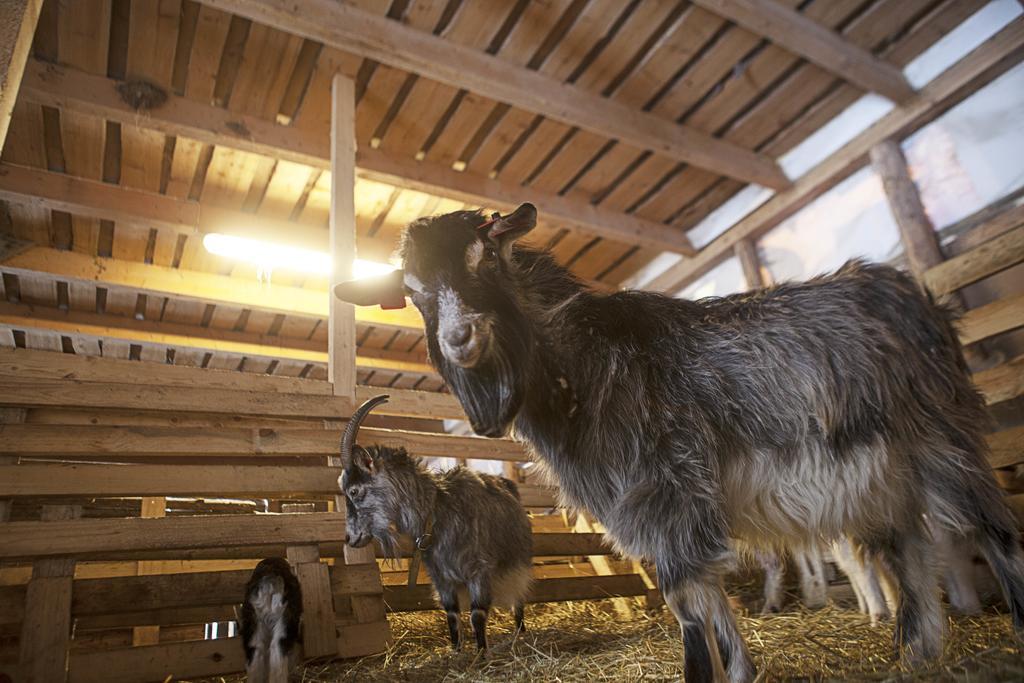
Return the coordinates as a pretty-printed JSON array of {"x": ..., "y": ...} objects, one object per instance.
[
  {"x": 369, "y": 35},
  {"x": 812, "y": 41},
  {"x": 991, "y": 59}
]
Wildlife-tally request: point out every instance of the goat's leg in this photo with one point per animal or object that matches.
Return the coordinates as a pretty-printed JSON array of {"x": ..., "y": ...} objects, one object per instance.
[
  {"x": 449, "y": 599},
  {"x": 811, "y": 567},
  {"x": 518, "y": 611},
  {"x": 480, "y": 604},
  {"x": 958, "y": 571},
  {"x": 863, "y": 578},
  {"x": 908, "y": 554},
  {"x": 701, "y": 606},
  {"x": 774, "y": 570}
]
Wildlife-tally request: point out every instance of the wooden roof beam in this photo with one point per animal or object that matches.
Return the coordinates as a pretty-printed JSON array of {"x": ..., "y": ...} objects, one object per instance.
[
  {"x": 126, "y": 206},
  {"x": 979, "y": 68},
  {"x": 190, "y": 284},
  {"x": 791, "y": 30},
  {"x": 370, "y": 35},
  {"x": 23, "y": 316},
  {"x": 72, "y": 90},
  {"x": 18, "y": 19}
]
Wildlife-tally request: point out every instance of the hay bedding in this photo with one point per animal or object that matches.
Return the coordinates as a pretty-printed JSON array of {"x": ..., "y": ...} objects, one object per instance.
[{"x": 586, "y": 641}]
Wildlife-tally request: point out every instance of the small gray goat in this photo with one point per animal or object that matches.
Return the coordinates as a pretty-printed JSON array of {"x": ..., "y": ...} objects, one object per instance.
[{"x": 474, "y": 535}]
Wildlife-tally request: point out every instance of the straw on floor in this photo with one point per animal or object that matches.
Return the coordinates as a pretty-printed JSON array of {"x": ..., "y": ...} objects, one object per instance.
[{"x": 587, "y": 641}]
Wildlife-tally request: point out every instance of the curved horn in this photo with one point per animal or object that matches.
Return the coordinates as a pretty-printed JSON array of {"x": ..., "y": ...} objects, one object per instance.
[{"x": 348, "y": 439}]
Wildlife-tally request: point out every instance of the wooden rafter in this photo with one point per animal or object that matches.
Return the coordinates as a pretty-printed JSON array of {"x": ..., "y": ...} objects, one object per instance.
[
  {"x": 18, "y": 19},
  {"x": 987, "y": 62},
  {"x": 190, "y": 389},
  {"x": 21, "y": 317},
  {"x": 126, "y": 206},
  {"x": 793, "y": 31},
  {"x": 190, "y": 284},
  {"x": 370, "y": 35},
  {"x": 72, "y": 90}
]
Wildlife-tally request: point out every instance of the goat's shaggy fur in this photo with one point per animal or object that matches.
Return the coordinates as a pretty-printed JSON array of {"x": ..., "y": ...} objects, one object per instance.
[
  {"x": 479, "y": 552},
  {"x": 269, "y": 621},
  {"x": 804, "y": 411}
]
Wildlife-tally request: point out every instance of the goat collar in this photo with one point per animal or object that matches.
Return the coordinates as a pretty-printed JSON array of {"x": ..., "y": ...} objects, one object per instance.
[{"x": 421, "y": 543}]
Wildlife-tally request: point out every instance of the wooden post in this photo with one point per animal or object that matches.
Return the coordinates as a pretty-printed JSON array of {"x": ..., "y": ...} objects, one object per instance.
[
  {"x": 341, "y": 328},
  {"x": 46, "y": 629},
  {"x": 917, "y": 232},
  {"x": 18, "y": 19},
  {"x": 151, "y": 507},
  {"x": 920, "y": 243},
  {"x": 319, "y": 634},
  {"x": 584, "y": 524},
  {"x": 746, "y": 252}
]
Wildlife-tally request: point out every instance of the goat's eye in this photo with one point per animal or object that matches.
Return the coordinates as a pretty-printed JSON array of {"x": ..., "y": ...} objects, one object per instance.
[
  {"x": 356, "y": 493},
  {"x": 490, "y": 254}
]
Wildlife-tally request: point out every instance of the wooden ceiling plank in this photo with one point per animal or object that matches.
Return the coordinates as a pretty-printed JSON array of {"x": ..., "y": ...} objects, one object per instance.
[
  {"x": 388, "y": 41},
  {"x": 783, "y": 104},
  {"x": 179, "y": 116},
  {"x": 387, "y": 83},
  {"x": 536, "y": 19},
  {"x": 624, "y": 51},
  {"x": 699, "y": 193},
  {"x": 472, "y": 28},
  {"x": 24, "y": 146},
  {"x": 816, "y": 43},
  {"x": 926, "y": 31},
  {"x": 964, "y": 78},
  {"x": 753, "y": 79},
  {"x": 84, "y": 30}
]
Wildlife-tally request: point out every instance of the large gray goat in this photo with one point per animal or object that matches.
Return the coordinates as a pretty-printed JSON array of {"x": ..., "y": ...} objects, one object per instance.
[
  {"x": 474, "y": 535},
  {"x": 841, "y": 405}
]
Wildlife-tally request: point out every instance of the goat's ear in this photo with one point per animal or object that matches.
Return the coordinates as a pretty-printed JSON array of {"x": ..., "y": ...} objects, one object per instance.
[
  {"x": 387, "y": 291},
  {"x": 361, "y": 458},
  {"x": 512, "y": 227}
]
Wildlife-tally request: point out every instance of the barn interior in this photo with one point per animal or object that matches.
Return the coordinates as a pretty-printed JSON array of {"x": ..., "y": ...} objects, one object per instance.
[{"x": 182, "y": 181}]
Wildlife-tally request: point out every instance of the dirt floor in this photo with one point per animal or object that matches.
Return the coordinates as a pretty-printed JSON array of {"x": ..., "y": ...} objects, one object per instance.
[{"x": 588, "y": 641}]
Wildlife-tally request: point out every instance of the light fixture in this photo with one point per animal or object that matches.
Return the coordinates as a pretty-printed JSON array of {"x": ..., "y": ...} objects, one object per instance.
[{"x": 268, "y": 256}]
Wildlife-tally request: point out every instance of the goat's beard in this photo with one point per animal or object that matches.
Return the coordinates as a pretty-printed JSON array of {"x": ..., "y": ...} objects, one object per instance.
[
  {"x": 388, "y": 540},
  {"x": 492, "y": 392}
]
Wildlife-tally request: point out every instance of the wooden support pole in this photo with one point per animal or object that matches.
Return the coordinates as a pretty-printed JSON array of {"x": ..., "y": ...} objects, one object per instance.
[
  {"x": 920, "y": 243},
  {"x": 342, "y": 329},
  {"x": 917, "y": 232},
  {"x": 18, "y": 19},
  {"x": 746, "y": 252},
  {"x": 319, "y": 636},
  {"x": 46, "y": 629},
  {"x": 152, "y": 507}
]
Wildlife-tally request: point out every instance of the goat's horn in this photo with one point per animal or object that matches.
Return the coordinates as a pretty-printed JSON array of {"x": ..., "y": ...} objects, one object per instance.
[{"x": 348, "y": 439}]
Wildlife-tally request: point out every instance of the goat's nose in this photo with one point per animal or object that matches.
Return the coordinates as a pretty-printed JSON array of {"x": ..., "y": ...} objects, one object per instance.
[
  {"x": 346, "y": 539},
  {"x": 459, "y": 334}
]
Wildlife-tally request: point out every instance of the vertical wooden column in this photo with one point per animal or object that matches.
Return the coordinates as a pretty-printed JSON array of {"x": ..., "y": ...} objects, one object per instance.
[
  {"x": 342, "y": 326},
  {"x": 754, "y": 274},
  {"x": 917, "y": 232},
  {"x": 342, "y": 333},
  {"x": 46, "y": 629},
  {"x": 18, "y": 19},
  {"x": 920, "y": 244},
  {"x": 319, "y": 635},
  {"x": 151, "y": 507}
]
